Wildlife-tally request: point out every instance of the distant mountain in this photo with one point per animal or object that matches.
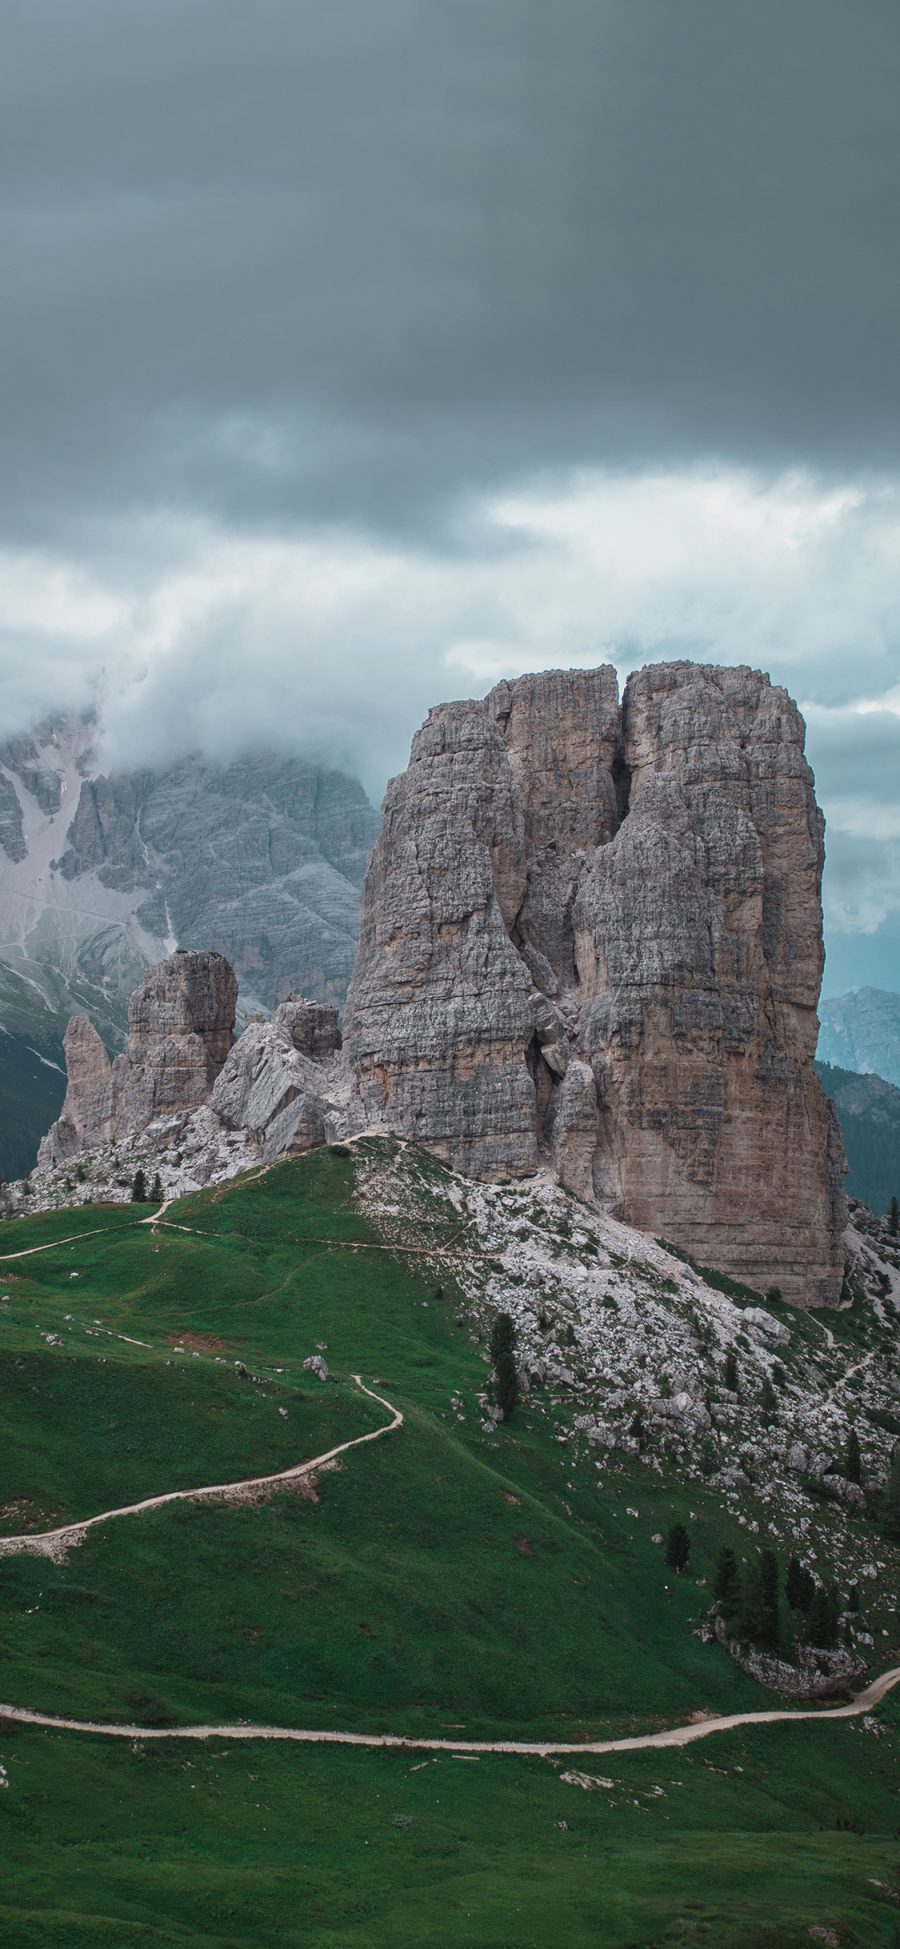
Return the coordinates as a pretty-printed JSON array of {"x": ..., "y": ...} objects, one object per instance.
[
  {"x": 100, "y": 876},
  {"x": 869, "y": 1112},
  {"x": 861, "y": 1031}
]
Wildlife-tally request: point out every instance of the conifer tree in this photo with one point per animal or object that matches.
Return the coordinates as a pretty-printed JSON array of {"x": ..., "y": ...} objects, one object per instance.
[
  {"x": 506, "y": 1382},
  {"x": 768, "y": 1577},
  {"x": 731, "y": 1377},
  {"x": 822, "y": 1622},
  {"x": 678, "y": 1548},
  {"x": 852, "y": 1458},
  {"x": 752, "y": 1619},
  {"x": 139, "y": 1188},
  {"x": 799, "y": 1585},
  {"x": 768, "y": 1400},
  {"x": 894, "y": 1218},
  {"x": 157, "y": 1192},
  {"x": 727, "y": 1583},
  {"x": 890, "y": 1501}
]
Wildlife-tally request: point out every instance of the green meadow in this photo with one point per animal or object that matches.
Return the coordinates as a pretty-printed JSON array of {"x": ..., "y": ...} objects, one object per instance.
[{"x": 438, "y": 1580}]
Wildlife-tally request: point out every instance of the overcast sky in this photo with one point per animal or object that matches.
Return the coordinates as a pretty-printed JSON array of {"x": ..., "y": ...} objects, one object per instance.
[{"x": 358, "y": 352}]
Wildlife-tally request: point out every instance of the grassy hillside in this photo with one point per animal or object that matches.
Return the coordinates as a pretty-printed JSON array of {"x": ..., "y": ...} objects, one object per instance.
[{"x": 438, "y": 1579}]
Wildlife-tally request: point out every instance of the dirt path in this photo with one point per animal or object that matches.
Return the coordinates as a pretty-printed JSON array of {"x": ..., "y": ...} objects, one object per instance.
[
  {"x": 839, "y": 1385},
  {"x": 54, "y": 1543},
  {"x": 74, "y": 1238},
  {"x": 540, "y": 1749}
]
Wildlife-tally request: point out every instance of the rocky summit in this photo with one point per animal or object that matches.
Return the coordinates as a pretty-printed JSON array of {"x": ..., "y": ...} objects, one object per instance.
[
  {"x": 591, "y": 947},
  {"x": 591, "y": 937}
]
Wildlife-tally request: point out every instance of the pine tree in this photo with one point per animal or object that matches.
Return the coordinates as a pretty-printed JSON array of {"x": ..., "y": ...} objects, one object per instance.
[
  {"x": 678, "y": 1548},
  {"x": 799, "y": 1586},
  {"x": 890, "y": 1501},
  {"x": 894, "y": 1218},
  {"x": 506, "y": 1380},
  {"x": 752, "y": 1617},
  {"x": 503, "y": 1336},
  {"x": 731, "y": 1378},
  {"x": 157, "y": 1192},
  {"x": 852, "y": 1458},
  {"x": 139, "y": 1188},
  {"x": 727, "y": 1583},
  {"x": 822, "y": 1622},
  {"x": 768, "y": 1401},
  {"x": 769, "y": 1580}
]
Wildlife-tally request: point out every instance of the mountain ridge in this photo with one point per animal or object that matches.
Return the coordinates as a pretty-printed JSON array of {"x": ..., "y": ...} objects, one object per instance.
[
  {"x": 861, "y": 1031},
  {"x": 102, "y": 875}
]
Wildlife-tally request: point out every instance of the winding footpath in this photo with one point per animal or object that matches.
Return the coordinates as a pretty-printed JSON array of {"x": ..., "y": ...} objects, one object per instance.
[
  {"x": 55, "y": 1542},
  {"x": 529, "y": 1748}
]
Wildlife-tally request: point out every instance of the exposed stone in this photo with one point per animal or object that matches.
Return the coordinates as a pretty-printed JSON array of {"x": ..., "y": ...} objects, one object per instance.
[
  {"x": 773, "y": 1329},
  {"x": 816, "y": 1675},
  {"x": 316, "y": 1365},
  {"x": 86, "y": 1116},
  {"x": 846, "y": 1491},
  {"x": 311, "y": 1027},
  {"x": 594, "y": 937},
  {"x": 181, "y": 1024},
  {"x": 268, "y": 1087}
]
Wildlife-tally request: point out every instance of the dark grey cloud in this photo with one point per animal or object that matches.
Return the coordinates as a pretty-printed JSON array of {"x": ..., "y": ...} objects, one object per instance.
[
  {"x": 354, "y": 354},
  {"x": 362, "y": 262}
]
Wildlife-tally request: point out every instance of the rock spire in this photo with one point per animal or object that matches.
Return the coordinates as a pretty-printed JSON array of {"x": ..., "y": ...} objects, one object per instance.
[{"x": 592, "y": 938}]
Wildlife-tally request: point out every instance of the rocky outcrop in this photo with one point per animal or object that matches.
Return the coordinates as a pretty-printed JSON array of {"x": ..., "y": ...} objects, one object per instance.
[
  {"x": 272, "y": 1087},
  {"x": 86, "y": 1117},
  {"x": 310, "y": 1027},
  {"x": 591, "y": 940},
  {"x": 276, "y": 1083},
  {"x": 181, "y": 1031},
  {"x": 592, "y": 936}
]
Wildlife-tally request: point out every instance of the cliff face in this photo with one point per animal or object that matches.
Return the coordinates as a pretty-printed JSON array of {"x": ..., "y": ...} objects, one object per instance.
[
  {"x": 181, "y": 1030},
  {"x": 592, "y": 936}
]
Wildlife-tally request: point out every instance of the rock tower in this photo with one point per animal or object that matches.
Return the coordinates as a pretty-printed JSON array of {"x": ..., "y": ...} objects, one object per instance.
[
  {"x": 181, "y": 1030},
  {"x": 592, "y": 938}
]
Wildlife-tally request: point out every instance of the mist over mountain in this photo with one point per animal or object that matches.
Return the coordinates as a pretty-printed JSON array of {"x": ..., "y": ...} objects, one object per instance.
[
  {"x": 101, "y": 876},
  {"x": 861, "y": 1032}
]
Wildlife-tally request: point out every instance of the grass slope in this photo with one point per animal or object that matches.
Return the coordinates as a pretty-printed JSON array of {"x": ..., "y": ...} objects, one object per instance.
[{"x": 442, "y": 1578}]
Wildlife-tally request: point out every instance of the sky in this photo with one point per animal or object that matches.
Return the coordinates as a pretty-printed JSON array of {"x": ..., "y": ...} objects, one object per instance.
[{"x": 353, "y": 356}]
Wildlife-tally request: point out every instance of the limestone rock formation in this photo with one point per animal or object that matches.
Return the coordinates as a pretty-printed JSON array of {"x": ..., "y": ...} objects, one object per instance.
[
  {"x": 181, "y": 1030},
  {"x": 274, "y": 1083},
  {"x": 100, "y": 876},
  {"x": 592, "y": 936},
  {"x": 591, "y": 940},
  {"x": 86, "y": 1116}
]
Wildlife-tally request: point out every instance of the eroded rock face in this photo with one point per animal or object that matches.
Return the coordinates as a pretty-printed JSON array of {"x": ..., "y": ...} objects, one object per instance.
[
  {"x": 86, "y": 1116},
  {"x": 274, "y": 1086},
  {"x": 593, "y": 936},
  {"x": 181, "y": 1030}
]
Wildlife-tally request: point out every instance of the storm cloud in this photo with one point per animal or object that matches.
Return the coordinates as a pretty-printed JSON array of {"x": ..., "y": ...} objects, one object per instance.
[{"x": 355, "y": 355}]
